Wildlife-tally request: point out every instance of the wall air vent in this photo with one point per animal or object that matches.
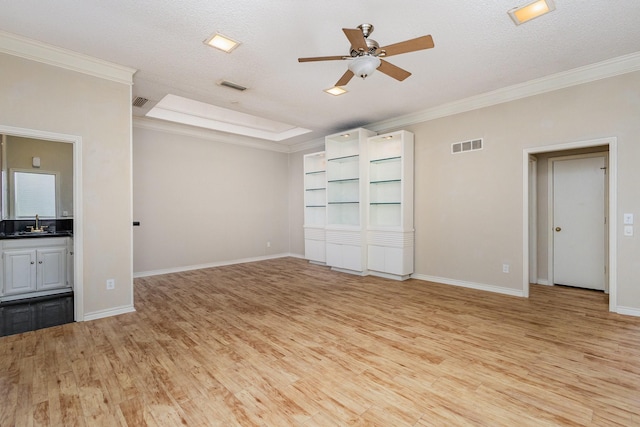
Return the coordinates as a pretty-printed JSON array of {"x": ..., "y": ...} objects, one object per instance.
[
  {"x": 464, "y": 146},
  {"x": 232, "y": 85},
  {"x": 139, "y": 101}
]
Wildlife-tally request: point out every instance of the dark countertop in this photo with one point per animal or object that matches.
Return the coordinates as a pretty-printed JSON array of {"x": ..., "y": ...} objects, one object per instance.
[{"x": 39, "y": 235}]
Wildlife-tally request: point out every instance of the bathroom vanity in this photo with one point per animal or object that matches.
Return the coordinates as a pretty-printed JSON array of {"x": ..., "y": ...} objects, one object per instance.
[{"x": 36, "y": 286}]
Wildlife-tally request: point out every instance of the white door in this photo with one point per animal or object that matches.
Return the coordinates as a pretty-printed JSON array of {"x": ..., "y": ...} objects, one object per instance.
[{"x": 579, "y": 222}]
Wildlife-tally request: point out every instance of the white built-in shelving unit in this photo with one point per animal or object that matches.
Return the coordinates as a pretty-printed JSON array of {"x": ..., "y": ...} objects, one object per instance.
[
  {"x": 346, "y": 200},
  {"x": 315, "y": 206},
  {"x": 359, "y": 203},
  {"x": 390, "y": 232}
]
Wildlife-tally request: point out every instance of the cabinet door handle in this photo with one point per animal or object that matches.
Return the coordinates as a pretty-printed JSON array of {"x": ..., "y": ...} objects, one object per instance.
[
  {"x": 33, "y": 262},
  {"x": 39, "y": 262}
]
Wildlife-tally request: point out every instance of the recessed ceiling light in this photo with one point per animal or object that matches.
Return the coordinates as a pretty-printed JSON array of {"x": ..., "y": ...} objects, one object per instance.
[
  {"x": 335, "y": 91},
  {"x": 221, "y": 42},
  {"x": 532, "y": 10}
]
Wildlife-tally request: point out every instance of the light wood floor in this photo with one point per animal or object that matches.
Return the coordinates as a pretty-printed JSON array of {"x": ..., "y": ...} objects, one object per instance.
[{"x": 286, "y": 343}]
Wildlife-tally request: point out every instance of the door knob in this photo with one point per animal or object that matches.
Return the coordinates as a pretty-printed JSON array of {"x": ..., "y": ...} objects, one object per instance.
[{"x": 558, "y": 229}]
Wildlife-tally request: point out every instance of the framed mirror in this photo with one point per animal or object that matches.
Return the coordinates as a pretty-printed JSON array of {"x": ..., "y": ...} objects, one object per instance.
[{"x": 37, "y": 178}]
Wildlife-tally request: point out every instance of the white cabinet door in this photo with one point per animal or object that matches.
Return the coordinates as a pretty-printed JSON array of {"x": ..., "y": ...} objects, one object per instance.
[
  {"x": 397, "y": 261},
  {"x": 394, "y": 261},
  {"x": 347, "y": 257},
  {"x": 376, "y": 258},
  {"x": 334, "y": 255},
  {"x": 52, "y": 271},
  {"x": 352, "y": 257},
  {"x": 19, "y": 271},
  {"x": 315, "y": 250}
]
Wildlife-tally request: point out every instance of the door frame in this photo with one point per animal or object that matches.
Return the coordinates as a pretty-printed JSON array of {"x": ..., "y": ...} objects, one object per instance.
[
  {"x": 551, "y": 207},
  {"x": 612, "y": 143},
  {"x": 78, "y": 289}
]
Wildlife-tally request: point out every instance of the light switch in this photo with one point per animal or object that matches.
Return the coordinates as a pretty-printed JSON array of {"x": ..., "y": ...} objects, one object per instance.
[
  {"x": 628, "y": 230},
  {"x": 628, "y": 218}
]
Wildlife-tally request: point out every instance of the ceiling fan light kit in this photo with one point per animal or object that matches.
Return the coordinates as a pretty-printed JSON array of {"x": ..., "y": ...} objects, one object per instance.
[
  {"x": 365, "y": 55},
  {"x": 364, "y": 66}
]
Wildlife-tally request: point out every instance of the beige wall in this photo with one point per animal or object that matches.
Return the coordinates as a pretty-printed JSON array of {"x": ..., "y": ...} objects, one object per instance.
[
  {"x": 47, "y": 98},
  {"x": 54, "y": 157},
  {"x": 202, "y": 202},
  {"x": 468, "y": 207}
]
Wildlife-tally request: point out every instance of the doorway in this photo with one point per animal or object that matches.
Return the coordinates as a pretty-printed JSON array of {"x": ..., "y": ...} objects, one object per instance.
[
  {"x": 541, "y": 228},
  {"x": 76, "y": 141}
]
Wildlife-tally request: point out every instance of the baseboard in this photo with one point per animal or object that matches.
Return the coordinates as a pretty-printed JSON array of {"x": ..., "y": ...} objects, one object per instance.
[
  {"x": 211, "y": 265},
  {"x": 109, "y": 312},
  {"x": 390, "y": 276},
  {"x": 471, "y": 285},
  {"x": 628, "y": 311},
  {"x": 543, "y": 282}
]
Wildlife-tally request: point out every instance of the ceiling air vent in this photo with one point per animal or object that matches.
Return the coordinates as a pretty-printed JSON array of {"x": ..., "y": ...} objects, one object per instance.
[
  {"x": 464, "y": 146},
  {"x": 139, "y": 101},
  {"x": 232, "y": 85}
]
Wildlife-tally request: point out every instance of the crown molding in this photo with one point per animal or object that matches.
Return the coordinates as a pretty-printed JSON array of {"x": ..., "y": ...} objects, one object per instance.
[
  {"x": 23, "y": 47},
  {"x": 589, "y": 73},
  {"x": 186, "y": 130},
  {"x": 225, "y": 138}
]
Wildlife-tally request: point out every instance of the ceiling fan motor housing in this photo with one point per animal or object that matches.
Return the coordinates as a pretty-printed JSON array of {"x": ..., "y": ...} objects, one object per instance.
[{"x": 372, "y": 49}]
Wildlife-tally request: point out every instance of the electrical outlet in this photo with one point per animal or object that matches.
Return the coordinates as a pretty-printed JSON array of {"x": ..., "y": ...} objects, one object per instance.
[
  {"x": 268, "y": 244},
  {"x": 111, "y": 284},
  {"x": 505, "y": 268}
]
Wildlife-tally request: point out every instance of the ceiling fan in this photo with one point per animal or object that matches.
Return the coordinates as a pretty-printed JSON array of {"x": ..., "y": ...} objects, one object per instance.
[{"x": 366, "y": 54}]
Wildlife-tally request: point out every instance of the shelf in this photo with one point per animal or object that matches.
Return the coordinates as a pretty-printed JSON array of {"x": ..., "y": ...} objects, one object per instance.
[
  {"x": 314, "y": 172},
  {"x": 386, "y": 159},
  {"x": 344, "y": 158},
  {"x": 344, "y": 180},
  {"x": 386, "y": 181},
  {"x": 315, "y": 189}
]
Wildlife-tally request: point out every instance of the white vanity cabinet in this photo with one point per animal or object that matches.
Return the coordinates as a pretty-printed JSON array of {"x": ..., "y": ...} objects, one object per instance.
[{"x": 34, "y": 266}]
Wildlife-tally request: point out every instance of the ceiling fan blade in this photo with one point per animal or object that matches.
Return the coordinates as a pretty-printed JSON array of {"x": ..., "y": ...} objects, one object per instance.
[
  {"x": 322, "y": 58},
  {"x": 420, "y": 43},
  {"x": 346, "y": 77},
  {"x": 393, "y": 71},
  {"x": 356, "y": 38}
]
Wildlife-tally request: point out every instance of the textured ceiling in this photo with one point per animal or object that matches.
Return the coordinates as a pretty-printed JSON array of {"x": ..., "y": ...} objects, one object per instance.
[{"x": 477, "y": 49}]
